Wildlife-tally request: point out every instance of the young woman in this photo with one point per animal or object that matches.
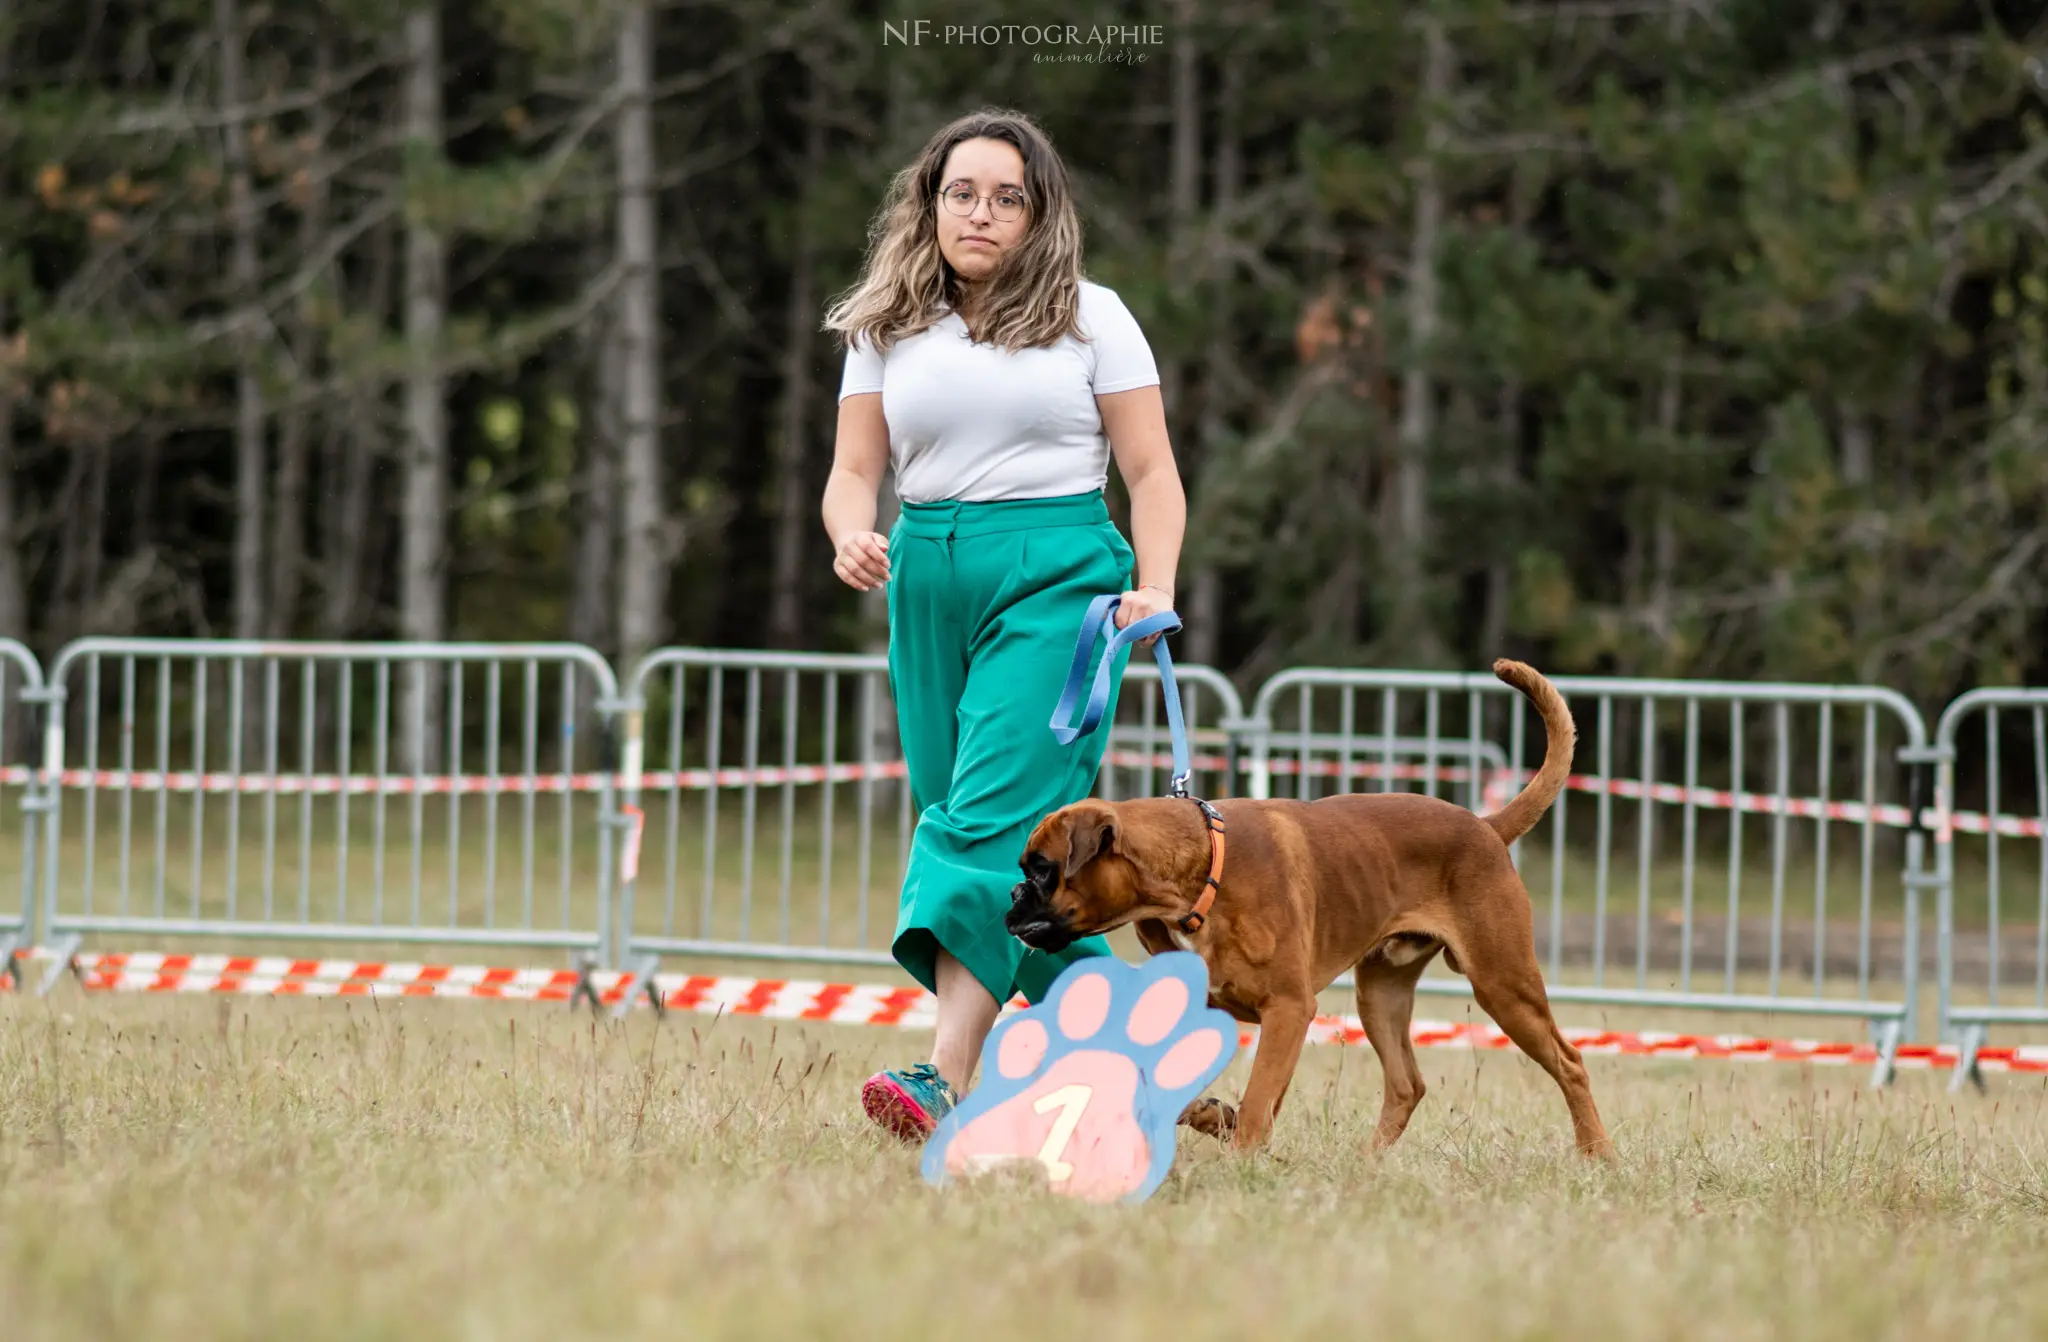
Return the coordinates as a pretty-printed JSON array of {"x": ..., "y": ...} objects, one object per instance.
[{"x": 998, "y": 382}]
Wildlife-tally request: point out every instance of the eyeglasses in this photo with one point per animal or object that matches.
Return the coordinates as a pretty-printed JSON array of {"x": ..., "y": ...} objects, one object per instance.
[{"x": 1006, "y": 205}]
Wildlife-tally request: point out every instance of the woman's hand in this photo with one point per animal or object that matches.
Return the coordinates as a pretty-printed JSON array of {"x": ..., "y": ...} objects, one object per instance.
[
  {"x": 863, "y": 560},
  {"x": 1142, "y": 604}
]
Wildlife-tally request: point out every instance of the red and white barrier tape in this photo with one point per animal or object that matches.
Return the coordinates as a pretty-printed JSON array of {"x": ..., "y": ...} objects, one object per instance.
[
  {"x": 880, "y": 1005},
  {"x": 1499, "y": 786},
  {"x": 156, "y": 971},
  {"x": 913, "y": 1008}
]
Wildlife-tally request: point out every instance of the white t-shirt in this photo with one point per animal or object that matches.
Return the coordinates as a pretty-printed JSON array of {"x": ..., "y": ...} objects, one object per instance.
[{"x": 975, "y": 423}]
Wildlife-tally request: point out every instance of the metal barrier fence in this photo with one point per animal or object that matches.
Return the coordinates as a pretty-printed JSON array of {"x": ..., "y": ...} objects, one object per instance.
[
  {"x": 817, "y": 733},
  {"x": 2001, "y": 962},
  {"x": 1728, "y": 847},
  {"x": 1700, "y": 758},
  {"x": 21, "y": 696},
  {"x": 220, "y": 789}
]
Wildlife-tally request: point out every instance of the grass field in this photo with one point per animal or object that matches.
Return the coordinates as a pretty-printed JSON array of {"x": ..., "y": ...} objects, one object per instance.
[{"x": 264, "y": 1169}]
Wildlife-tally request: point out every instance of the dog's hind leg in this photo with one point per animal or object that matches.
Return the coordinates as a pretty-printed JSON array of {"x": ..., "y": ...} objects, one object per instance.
[
  {"x": 1386, "y": 1006},
  {"x": 1500, "y": 961}
]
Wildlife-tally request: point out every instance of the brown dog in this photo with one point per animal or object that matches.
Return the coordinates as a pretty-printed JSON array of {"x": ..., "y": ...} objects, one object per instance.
[{"x": 1375, "y": 883}]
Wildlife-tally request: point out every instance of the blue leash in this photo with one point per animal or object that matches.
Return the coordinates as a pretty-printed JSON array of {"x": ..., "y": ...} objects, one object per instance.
[{"x": 1093, "y": 625}]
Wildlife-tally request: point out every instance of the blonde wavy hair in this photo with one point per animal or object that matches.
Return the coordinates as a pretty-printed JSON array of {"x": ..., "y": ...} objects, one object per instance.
[{"x": 1033, "y": 297}]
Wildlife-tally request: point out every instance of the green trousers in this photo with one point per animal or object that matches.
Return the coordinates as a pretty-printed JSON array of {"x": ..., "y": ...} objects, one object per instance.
[{"x": 985, "y": 602}]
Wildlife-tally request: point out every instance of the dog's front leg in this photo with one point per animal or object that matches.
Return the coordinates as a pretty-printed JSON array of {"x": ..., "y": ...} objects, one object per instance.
[{"x": 1283, "y": 1029}]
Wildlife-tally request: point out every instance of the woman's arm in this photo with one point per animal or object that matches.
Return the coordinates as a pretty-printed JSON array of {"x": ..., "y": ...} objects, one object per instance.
[
  {"x": 1135, "y": 422},
  {"x": 859, "y": 456}
]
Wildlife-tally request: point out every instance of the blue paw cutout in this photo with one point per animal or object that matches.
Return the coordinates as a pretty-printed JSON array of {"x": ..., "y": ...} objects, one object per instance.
[{"x": 1090, "y": 1083}]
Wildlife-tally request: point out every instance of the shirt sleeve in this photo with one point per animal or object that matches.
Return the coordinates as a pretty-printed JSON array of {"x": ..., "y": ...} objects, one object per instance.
[
  {"x": 1123, "y": 357},
  {"x": 863, "y": 372}
]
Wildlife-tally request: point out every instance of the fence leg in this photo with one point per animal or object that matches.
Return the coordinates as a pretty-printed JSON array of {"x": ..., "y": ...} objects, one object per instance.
[
  {"x": 1261, "y": 780},
  {"x": 10, "y": 967},
  {"x": 640, "y": 974},
  {"x": 34, "y": 803},
  {"x": 1968, "y": 1044},
  {"x": 63, "y": 957},
  {"x": 1889, "y": 1032},
  {"x": 586, "y": 987}
]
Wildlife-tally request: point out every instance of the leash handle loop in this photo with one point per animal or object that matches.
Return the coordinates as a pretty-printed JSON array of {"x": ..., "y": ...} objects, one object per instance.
[{"x": 1093, "y": 625}]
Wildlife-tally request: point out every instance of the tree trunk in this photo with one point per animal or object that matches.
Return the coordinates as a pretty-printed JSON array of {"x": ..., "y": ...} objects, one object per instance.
[
  {"x": 1411, "y": 633},
  {"x": 1865, "y": 530},
  {"x": 1858, "y": 448},
  {"x": 353, "y": 452},
  {"x": 92, "y": 528},
  {"x": 14, "y": 719},
  {"x": 1500, "y": 571},
  {"x": 643, "y": 586},
  {"x": 1203, "y": 606},
  {"x": 80, "y": 549},
  {"x": 13, "y": 576},
  {"x": 1505, "y": 466},
  {"x": 288, "y": 535},
  {"x": 1183, "y": 195},
  {"x": 597, "y": 498},
  {"x": 251, "y": 470},
  {"x": 13, "y": 579},
  {"x": 423, "y": 562},
  {"x": 794, "y": 512},
  {"x": 594, "y": 564},
  {"x": 1664, "y": 527},
  {"x": 294, "y": 445}
]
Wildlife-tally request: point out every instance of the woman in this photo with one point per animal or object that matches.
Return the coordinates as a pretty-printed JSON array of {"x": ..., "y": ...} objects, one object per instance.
[{"x": 998, "y": 382}]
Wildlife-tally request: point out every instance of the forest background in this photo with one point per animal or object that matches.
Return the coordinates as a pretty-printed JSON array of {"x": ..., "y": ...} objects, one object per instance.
[{"x": 1653, "y": 337}]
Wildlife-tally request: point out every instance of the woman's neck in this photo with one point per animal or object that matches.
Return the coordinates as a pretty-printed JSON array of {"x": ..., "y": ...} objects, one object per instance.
[{"x": 969, "y": 302}]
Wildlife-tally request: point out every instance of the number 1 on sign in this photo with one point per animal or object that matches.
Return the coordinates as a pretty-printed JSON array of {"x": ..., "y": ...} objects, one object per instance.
[{"x": 1071, "y": 1101}]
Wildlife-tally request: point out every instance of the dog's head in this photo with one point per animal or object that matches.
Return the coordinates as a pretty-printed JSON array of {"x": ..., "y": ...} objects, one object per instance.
[{"x": 1084, "y": 873}]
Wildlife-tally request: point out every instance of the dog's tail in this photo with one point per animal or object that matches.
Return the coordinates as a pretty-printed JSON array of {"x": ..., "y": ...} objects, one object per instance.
[{"x": 1519, "y": 816}]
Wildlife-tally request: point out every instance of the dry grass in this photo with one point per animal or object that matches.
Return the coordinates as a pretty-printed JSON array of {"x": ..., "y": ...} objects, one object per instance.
[{"x": 267, "y": 1169}]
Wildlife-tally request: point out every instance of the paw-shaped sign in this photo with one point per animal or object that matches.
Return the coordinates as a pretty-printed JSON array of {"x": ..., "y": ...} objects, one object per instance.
[{"x": 1089, "y": 1084}]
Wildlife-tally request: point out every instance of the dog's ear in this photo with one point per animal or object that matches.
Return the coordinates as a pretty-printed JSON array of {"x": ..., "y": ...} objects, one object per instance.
[{"x": 1090, "y": 834}]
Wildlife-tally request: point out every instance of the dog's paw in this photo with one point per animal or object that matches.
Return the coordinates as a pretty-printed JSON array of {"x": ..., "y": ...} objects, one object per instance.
[
  {"x": 1090, "y": 1084},
  {"x": 1212, "y": 1118}
]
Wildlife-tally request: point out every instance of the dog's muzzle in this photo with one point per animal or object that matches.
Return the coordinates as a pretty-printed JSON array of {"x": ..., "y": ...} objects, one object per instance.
[{"x": 1032, "y": 919}]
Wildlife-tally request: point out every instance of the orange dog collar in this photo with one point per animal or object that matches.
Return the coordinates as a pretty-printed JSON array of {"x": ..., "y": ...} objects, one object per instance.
[{"x": 1192, "y": 922}]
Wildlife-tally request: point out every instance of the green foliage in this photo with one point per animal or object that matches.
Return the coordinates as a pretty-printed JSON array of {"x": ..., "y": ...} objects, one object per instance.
[
  {"x": 563, "y": 34},
  {"x": 1738, "y": 361}
]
